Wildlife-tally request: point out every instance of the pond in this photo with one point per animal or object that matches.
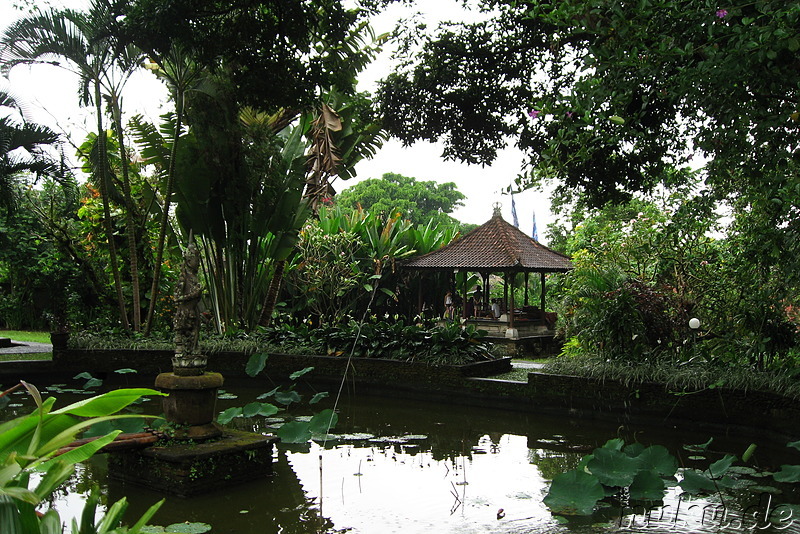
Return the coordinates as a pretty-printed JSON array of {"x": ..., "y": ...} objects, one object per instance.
[{"x": 395, "y": 465}]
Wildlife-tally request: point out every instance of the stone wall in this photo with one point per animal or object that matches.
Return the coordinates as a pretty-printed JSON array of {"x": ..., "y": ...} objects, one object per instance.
[
  {"x": 719, "y": 410},
  {"x": 280, "y": 366}
]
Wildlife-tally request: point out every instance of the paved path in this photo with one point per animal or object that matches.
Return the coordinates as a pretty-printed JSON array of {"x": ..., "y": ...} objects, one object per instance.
[
  {"x": 26, "y": 347},
  {"x": 524, "y": 364}
]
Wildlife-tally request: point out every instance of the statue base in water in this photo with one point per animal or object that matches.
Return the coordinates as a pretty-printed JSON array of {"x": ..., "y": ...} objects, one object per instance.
[
  {"x": 190, "y": 408},
  {"x": 187, "y": 468}
]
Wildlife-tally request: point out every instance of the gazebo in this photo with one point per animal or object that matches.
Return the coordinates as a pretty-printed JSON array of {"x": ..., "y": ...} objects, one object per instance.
[{"x": 499, "y": 247}]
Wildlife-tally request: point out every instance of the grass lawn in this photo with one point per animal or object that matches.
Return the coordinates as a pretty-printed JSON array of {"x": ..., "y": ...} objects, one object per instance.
[
  {"x": 22, "y": 335},
  {"x": 33, "y": 356}
]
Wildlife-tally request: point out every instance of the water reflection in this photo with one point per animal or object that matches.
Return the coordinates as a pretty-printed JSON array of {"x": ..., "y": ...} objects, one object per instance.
[{"x": 413, "y": 467}]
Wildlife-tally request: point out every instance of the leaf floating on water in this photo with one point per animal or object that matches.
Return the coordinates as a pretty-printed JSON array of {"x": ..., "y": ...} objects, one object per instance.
[
  {"x": 766, "y": 489},
  {"x": 188, "y": 528},
  {"x": 788, "y": 473},
  {"x": 357, "y": 436},
  {"x": 701, "y": 447},
  {"x": 742, "y": 470}
]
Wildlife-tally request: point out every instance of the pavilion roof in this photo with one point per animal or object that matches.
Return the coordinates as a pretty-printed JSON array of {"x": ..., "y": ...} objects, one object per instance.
[{"x": 493, "y": 246}]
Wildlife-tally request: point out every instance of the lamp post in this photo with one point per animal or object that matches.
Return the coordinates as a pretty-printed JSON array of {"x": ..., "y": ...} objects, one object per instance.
[{"x": 694, "y": 324}]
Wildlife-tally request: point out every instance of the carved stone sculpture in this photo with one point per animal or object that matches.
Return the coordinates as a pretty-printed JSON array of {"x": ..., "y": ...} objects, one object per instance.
[{"x": 188, "y": 360}]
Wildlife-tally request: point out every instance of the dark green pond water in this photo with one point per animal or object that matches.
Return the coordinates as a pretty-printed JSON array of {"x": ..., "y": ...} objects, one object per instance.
[{"x": 419, "y": 467}]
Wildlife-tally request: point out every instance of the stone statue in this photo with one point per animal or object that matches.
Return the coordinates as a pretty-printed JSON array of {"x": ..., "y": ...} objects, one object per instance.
[{"x": 187, "y": 315}]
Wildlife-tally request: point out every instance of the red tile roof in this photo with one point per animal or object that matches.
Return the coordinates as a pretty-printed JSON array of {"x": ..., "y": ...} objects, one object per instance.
[{"x": 494, "y": 246}]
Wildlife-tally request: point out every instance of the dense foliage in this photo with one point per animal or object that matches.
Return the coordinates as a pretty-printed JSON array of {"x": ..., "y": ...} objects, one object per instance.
[
  {"x": 609, "y": 98},
  {"x": 419, "y": 202},
  {"x": 349, "y": 264},
  {"x": 642, "y": 272}
]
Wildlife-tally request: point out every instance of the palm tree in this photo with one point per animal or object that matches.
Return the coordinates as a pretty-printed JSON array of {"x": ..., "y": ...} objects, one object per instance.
[
  {"x": 82, "y": 42},
  {"x": 181, "y": 74},
  {"x": 22, "y": 151}
]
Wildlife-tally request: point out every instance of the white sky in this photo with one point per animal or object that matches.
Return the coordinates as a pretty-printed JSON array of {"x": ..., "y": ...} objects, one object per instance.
[{"x": 51, "y": 94}]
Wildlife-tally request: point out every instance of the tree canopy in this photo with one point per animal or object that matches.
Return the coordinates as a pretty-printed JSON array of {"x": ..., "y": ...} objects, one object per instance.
[
  {"x": 419, "y": 202},
  {"x": 301, "y": 46},
  {"x": 611, "y": 98}
]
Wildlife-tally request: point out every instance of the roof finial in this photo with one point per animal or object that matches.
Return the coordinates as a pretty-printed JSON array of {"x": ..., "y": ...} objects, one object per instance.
[{"x": 496, "y": 209}]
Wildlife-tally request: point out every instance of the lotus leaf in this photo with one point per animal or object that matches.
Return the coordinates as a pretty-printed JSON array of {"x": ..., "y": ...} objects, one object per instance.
[
  {"x": 613, "y": 467},
  {"x": 573, "y": 493}
]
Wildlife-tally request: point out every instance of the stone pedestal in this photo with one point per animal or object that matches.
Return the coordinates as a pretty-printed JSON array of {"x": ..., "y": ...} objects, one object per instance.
[
  {"x": 191, "y": 405},
  {"x": 187, "y": 468}
]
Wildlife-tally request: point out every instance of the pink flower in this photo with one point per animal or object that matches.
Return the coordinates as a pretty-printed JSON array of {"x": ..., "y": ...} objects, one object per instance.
[
  {"x": 721, "y": 13},
  {"x": 569, "y": 114},
  {"x": 534, "y": 113}
]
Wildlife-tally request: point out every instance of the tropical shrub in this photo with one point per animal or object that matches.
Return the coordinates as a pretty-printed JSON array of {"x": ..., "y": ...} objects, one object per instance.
[
  {"x": 450, "y": 344},
  {"x": 29, "y": 445}
]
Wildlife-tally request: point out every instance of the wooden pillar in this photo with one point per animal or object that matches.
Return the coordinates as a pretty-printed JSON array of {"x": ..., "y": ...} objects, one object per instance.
[
  {"x": 542, "y": 274},
  {"x": 420, "y": 301},
  {"x": 511, "y": 309},
  {"x": 505, "y": 292},
  {"x": 526, "y": 288},
  {"x": 464, "y": 296}
]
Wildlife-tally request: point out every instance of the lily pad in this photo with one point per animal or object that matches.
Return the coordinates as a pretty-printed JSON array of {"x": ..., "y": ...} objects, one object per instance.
[
  {"x": 742, "y": 470},
  {"x": 356, "y": 436},
  {"x": 647, "y": 486},
  {"x": 188, "y": 528},
  {"x": 573, "y": 493},
  {"x": 766, "y": 489},
  {"x": 658, "y": 459},
  {"x": 318, "y": 397},
  {"x": 267, "y": 394},
  {"x": 251, "y": 409},
  {"x": 287, "y": 397},
  {"x": 720, "y": 467},
  {"x": 229, "y": 415},
  {"x": 323, "y": 421},
  {"x": 613, "y": 467},
  {"x": 788, "y": 473},
  {"x": 301, "y": 372},
  {"x": 700, "y": 447},
  {"x": 256, "y": 364},
  {"x": 295, "y": 432},
  {"x": 696, "y": 482}
]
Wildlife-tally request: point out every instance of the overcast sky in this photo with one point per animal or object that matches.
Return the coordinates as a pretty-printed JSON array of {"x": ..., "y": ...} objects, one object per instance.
[{"x": 51, "y": 94}]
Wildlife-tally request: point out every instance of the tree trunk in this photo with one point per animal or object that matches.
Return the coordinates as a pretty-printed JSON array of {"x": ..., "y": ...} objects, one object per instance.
[
  {"x": 112, "y": 249},
  {"x": 272, "y": 293},
  {"x": 130, "y": 227},
  {"x": 162, "y": 230}
]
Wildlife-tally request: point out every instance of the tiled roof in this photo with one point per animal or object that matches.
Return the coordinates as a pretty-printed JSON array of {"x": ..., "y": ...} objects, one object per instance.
[{"x": 494, "y": 246}]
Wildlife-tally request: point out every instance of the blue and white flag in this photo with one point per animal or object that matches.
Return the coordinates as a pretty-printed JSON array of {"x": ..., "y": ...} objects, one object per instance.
[
  {"x": 534, "y": 234},
  {"x": 514, "y": 211}
]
